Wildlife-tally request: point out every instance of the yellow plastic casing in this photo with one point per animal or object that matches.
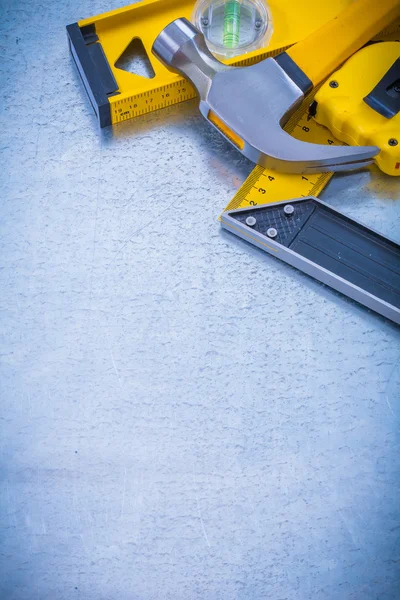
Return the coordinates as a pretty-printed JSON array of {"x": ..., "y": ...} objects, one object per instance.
[
  {"x": 322, "y": 52},
  {"x": 341, "y": 108}
]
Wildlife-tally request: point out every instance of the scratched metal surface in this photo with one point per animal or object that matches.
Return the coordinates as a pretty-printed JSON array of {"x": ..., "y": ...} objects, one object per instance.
[{"x": 182, "y": 416}]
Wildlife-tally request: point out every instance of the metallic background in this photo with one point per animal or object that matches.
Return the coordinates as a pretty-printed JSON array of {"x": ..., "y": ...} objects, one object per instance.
[{"x": 182, "y": 416}]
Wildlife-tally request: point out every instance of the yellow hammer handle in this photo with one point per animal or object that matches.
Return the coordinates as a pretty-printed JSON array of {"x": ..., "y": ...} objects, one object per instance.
[{"x": 328, "y": 47}]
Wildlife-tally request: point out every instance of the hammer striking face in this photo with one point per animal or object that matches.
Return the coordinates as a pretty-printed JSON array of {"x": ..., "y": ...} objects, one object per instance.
[{"x": 250, "y": 105}]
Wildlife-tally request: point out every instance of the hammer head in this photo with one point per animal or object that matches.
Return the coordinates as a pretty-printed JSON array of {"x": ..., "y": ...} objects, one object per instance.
[{"x": 250, "y": 105}]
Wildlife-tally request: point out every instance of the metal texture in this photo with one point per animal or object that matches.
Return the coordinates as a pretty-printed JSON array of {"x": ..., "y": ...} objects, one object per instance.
[
  {"x": 182, "y": 416},
  {"x": 254, "y": 102}
]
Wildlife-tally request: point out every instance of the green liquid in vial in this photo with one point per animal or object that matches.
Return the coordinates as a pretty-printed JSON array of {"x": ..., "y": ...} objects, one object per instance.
[{"x": 231, "y": 24}]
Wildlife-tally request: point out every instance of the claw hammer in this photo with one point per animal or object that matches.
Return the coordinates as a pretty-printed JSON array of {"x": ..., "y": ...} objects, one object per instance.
[{"x": 250, "y": 105}]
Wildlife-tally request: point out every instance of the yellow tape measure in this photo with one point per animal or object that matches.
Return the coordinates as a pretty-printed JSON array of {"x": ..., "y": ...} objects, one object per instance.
[{"x": 146, "y": 102}]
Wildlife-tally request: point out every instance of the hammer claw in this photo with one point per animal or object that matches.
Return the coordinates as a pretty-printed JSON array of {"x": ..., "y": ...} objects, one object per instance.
[
  {"x": 317, "y": 158},
  {"x": 337, "y": 167}
]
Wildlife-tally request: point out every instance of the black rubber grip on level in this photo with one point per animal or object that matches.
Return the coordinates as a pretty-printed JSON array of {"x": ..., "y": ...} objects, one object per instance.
[
  {"x": 94, "y": 69},
  {"x": 294, "y": 72},
  {"x": 385, "y": 97}
]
